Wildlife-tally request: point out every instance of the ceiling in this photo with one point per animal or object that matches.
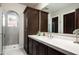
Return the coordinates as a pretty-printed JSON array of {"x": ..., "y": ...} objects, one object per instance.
[
  {"x": 30, "y": 4},
  {"x": 52, "y": 7}
]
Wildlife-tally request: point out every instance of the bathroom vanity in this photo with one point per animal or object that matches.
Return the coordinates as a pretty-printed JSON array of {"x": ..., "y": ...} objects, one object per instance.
[{"x": 56, "y": 45}]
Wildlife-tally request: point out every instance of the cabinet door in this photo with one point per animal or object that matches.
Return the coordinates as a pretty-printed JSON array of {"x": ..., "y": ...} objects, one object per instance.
[
  {"x": 42, "y": 49},
  {"x": 52, "y": 51},
  {"x": 33, "y": 21},
  {"x": 39, "y": 48},
  {"x": 44, "y": 21},
  {"x": 35, "y": 48}
]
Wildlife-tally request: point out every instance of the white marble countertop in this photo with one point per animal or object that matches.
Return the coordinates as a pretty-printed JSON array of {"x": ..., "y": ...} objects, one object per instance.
[{"x": 60, "y": 43}]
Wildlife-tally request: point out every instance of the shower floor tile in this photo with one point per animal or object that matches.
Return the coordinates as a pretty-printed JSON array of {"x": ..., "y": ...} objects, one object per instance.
[{"x": 18, "y": 51}]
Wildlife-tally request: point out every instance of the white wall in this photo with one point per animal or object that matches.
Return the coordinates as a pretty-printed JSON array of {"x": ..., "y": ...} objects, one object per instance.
[
  {"x": 49, "y": 23},
  {"x": 60, "y": 14},
  {"x": 40, "y": 6},
  {"x": 19, "y": 9}
]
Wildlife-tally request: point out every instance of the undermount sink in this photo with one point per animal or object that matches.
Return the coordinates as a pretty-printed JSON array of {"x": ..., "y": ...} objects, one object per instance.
[
  {"x": 62, "y": 37},
  {"x": 53, "y": 37}
]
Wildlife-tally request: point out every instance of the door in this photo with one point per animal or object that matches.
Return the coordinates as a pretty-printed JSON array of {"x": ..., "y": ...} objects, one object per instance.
[
  {"x": 11, "y": 28},
  {"x": 55, "y": 24}
]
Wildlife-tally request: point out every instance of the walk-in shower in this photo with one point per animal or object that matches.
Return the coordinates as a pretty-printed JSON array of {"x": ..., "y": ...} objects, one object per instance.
[{"x": 9, "y": 29}]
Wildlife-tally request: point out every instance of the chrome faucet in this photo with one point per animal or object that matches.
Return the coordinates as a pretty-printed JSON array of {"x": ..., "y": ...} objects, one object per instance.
[
  {"x": 76, "y": 31},
  {"x": 50, "y": 35}
]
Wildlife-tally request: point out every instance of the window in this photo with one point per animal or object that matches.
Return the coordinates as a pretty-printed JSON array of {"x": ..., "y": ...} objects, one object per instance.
[{"x": 12, "y": 19}]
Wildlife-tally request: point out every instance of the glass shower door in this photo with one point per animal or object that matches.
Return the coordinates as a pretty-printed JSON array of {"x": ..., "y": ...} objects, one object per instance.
[
  {"x": 9, "y": 34},
  {"x": 11, "y": 29},
  {"x": 1, "y": 40}
]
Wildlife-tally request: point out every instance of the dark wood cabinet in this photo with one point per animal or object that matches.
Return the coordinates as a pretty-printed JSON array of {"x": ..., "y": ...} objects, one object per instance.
[
  {"x": 32, "y": 21},
  {"x": 52, "y": 51},
  {"x": 35, "y": 20},
  {"x": 69, "y": 22},
  {"x": 77, "y": 18},
  {"x": 44, "y": 21},
  {"x": 37, "y": 48},
  {"x": 31, "y": 24},
  {"x": 43, "y": 49}
]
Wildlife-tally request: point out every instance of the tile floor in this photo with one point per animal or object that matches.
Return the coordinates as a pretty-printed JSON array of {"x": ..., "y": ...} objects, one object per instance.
[
  {"x": 19, "y": 51},
  {"x": 13, "y": 50}
]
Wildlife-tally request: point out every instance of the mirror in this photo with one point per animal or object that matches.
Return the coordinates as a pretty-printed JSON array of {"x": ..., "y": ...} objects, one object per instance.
[{"x": 62, "y": 17}]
